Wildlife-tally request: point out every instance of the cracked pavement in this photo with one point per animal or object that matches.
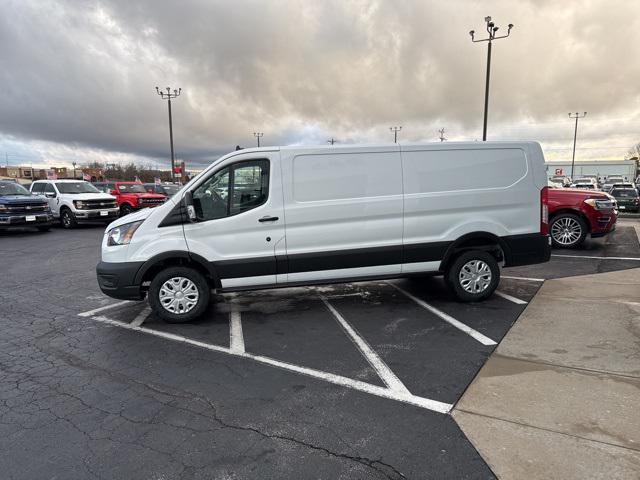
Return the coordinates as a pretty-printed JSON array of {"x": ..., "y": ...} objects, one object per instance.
[{"x": 80, "y": 399}]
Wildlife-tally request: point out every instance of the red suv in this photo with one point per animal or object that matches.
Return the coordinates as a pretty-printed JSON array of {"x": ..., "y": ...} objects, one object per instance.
[
  {"x": 131, "y": 196},
  {"x": 575, "y": 213}
]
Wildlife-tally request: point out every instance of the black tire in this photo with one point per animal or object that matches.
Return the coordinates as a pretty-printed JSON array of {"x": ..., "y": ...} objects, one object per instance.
[
  {"x": 195, "y": 278},
  {"x": 68, "y": 219},
  {"x": 125, "y": 209},
  {"x": 462, "y": 288},
  {"x": 567, "y": 230},
  {"x": 44, "y": 228}
]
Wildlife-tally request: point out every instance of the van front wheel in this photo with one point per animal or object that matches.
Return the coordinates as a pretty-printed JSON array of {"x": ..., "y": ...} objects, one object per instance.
[
  {"x": 473, "y": 276},
  {"x": 179, "y": 294}
]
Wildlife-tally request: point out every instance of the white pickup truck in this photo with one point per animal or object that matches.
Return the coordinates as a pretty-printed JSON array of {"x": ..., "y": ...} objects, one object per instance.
[{"x": 74, "y": 201}]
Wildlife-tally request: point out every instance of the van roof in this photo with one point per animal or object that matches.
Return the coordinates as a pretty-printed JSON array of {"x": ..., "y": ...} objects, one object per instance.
[{"x": 355, "y": 146}]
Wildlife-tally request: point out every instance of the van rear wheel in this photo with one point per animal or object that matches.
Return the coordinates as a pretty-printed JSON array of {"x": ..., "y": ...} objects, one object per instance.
[
  {"x": 473, "y": 276},
  {"x": 179, "y": 294}
]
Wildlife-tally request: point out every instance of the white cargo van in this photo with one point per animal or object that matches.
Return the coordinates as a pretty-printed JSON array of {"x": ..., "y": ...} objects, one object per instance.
[{"x": 279, "y": 217}]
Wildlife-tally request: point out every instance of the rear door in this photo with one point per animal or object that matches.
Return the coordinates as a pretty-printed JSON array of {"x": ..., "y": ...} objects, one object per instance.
[{"x": 240, "y": 226}]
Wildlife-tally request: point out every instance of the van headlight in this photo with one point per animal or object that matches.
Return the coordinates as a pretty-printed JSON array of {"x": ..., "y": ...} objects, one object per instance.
[{"x": 122, "y": 235}]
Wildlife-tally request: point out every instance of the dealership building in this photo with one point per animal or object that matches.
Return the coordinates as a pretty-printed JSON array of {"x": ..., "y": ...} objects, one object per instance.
[{"x": 602, "y": 168}]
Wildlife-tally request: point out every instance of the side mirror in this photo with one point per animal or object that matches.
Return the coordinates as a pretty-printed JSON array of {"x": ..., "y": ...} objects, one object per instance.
[
  {"x": 50, "y": 194},
  {"x": 188, "y": 203}
]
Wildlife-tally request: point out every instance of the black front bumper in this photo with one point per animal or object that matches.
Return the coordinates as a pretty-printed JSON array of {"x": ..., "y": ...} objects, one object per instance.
[
  {"x": 526, "y": 249},
  {"x": 118, "y": 280},
  {"x": 21, "y": 220}
]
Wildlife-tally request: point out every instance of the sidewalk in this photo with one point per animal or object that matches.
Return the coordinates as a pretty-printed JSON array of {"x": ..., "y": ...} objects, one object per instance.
[{"x": 560, "y": 396}]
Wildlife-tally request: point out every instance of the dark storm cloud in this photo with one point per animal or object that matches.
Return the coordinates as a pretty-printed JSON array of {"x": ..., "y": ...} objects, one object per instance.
[{"x": 83, "y": 72}]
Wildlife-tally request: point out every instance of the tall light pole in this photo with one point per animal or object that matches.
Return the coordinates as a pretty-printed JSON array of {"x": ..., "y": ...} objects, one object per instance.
[
  {"x": 395, "y": 131},
  {"x": 168, "y": 95},
  {"x": 258, "y": 135},
  {"x": 441, "y": 132},
  {"x": 74, "y": 169},
  {"x": 492, "y": 29},
  {"x": 575, "y": 135},
  {"x": 332, "y": 140}
]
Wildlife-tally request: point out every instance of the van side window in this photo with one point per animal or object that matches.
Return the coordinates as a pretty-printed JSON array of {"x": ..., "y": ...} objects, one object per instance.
[
  {"x": 250, "y": 185},
  {"x": 235, "y": 189}
]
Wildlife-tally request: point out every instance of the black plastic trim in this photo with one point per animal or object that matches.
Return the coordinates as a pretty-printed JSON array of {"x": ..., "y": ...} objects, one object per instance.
[
  {"x": 526, "y": 249},
  {"x": 118, "y": 279}
]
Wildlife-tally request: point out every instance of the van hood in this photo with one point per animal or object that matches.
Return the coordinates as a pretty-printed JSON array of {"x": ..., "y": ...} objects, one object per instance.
[{"x": 132, "y": 217}]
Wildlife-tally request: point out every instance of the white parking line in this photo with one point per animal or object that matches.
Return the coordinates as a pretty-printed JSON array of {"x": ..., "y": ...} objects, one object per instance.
[
  {"x": 447, "y": 318},
  {"x": 403, "y": 397},
  {"x": 236, "y": 338},
  {"x": 510, "y": 298},
  {"x": 101, "y": 309},
  {"x": 384, "y": 372},
  {"x": 527, "y": 279},
  {"x": 598, "y": 258},
  {"x": 142, "y": 316}
]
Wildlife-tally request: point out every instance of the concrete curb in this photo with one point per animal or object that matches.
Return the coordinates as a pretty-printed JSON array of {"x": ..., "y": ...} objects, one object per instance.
[{"x": 559, "y": 397}]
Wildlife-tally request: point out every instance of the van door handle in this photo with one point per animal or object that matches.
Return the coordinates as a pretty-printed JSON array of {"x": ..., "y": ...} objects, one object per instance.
[{"x": 267, "y": 219}]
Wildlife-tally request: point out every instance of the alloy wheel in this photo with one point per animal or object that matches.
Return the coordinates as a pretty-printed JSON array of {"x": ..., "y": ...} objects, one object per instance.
[{"x": 566, "y": 231}]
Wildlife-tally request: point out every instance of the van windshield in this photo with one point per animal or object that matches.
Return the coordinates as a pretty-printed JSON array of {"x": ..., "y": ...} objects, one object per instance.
[{"x": 76, "y": 187}]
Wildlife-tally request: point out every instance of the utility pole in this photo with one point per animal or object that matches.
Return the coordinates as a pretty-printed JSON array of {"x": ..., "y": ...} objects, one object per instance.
[
  {"x": 491, "y": 29},
  {"x": 442, "y": 137},
  {"x": 395, "y": 131},
  {"x": 575, "y": 135},
  {"x": 168, "y": 95},
  {"x": 258, "y": 135},
  {"x": 332, "y": 141},
  {"x": 74, "y": 169}
]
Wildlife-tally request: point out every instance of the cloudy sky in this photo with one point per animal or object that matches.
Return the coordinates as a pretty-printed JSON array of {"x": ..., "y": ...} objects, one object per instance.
[{"x": 79, "y": 77}]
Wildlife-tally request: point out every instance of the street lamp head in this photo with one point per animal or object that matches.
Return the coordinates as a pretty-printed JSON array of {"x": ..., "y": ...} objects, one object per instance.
[
  {"x": 510, "y": 26},
  {"x": 487, "y": 19},
  {"x": 495, "y": 29},
  {"x": 472, "y": 33}
]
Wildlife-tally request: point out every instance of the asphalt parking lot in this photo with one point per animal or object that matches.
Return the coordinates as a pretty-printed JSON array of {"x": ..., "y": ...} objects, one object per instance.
[{"x": 343, "y": 381}]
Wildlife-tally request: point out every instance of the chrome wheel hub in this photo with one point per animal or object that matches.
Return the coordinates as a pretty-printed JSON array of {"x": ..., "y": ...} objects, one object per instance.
[
  {"x": 475, "y": 276},
  {"x": 178, "y": 295},
  {"x": 566, "y": 231}
]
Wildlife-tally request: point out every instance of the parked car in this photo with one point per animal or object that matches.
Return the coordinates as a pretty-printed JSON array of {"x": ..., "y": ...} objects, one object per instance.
[
  {"x": 627, "y": 199},
  {"x": 586, "y": 183},
  {"x": 562, "y": 179},
  {"x": 19, "y": 208},
  {"x": 166, "y": 189},
  {"x": 283, "y": 216},
  {"x": 611, "y": 180},
  {"x": 75, "y": 201},
  {"x": 131, "y": 196},
  {"x": 575, "y": 213}
]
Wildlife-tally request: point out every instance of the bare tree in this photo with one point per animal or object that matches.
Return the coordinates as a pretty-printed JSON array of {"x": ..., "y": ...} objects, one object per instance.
[{"x": 634, "y": 152}]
